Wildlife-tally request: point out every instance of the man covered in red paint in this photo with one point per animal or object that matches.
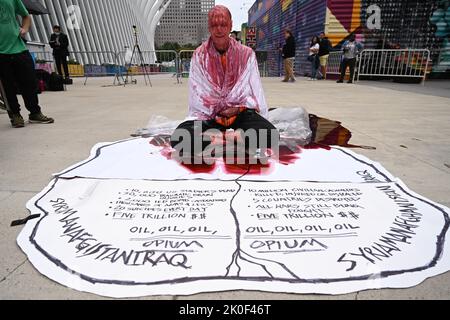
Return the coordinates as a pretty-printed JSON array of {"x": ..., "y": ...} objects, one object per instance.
[{"x": 225, "y": 91}]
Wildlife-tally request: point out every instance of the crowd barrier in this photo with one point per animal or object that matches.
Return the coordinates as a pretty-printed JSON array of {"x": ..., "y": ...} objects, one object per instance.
[
  {"x": 371, "y": 63},
  {"x": 185, "y": 57},
  {"x": 270, "y": 63},
  {"x": 149, "y": 62},
  {"x": 394, "y": 63},
  {"x": 334, "y": 63}
]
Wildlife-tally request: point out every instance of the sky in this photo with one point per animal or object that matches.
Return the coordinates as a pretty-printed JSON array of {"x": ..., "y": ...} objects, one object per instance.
[{"x": 239, "y": 11}]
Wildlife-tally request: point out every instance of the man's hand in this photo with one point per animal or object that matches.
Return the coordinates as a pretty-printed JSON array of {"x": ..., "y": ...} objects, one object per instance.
[
  {"x": 23, "y": 31},
  {"x": 230, "y": 112}
]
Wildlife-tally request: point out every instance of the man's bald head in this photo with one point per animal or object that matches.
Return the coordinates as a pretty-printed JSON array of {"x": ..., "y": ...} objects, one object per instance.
[
  {"x": 218, "y": 10},
  {"x": 219, "y": 26}
]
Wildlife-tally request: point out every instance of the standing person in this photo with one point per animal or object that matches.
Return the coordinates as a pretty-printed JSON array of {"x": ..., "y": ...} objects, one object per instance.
[
  {"x": 16, "y": 64},
  {"x": 288, "y": 54},
  {"x": 351, "y": 49},
  {"x": 225, "y": 90},
  {"x": 60, "y": 44},
  {"x": 234, "y": 35},
  {"x": 314, "y": 57},
  {"x": 324, "y": 52}
]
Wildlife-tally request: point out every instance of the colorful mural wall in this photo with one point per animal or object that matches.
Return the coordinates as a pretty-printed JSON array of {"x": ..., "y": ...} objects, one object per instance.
[
  {"x": 441, "y": 20},
  {"x": 377, "y": 24}
]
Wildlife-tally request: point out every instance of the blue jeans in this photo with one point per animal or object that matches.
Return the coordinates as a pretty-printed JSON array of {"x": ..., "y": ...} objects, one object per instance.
[{"x": 314, "y": 68}]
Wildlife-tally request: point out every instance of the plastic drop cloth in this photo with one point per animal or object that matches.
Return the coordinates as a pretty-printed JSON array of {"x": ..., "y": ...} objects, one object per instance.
[{"x": 292, "y": 123}]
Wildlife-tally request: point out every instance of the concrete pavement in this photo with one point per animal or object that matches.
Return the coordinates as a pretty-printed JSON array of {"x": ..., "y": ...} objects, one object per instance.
[{"x": 410, "y": 129}]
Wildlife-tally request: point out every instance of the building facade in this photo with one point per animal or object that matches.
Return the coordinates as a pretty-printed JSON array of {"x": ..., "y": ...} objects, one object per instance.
[
  {"x": 414, "y": 24},
  {"x": 98, "y": 29},
  {"x": 184, "y": 22}
]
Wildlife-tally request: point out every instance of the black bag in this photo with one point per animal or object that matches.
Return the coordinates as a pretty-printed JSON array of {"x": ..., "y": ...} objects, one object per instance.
[
  {"x": 43, "y": 78},
  {"x": 55, "y": 82}
]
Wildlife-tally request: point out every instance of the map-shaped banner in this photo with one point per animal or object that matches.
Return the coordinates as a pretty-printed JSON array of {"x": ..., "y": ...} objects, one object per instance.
[{"x": 134, "y": 237}]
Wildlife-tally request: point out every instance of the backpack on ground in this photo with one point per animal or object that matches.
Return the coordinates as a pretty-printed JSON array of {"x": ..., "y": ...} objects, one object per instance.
[{"x": 55, "y": 82}]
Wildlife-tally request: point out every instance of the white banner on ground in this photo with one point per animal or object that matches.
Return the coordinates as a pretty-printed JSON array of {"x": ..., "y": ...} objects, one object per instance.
[{"x": 127, "y": 222}]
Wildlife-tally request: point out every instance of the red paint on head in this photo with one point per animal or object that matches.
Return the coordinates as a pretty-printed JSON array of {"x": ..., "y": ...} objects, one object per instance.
[{"x": 219, "y": 26}]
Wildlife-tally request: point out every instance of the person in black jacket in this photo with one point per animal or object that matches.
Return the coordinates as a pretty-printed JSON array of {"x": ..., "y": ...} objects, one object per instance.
[
  {"x": 288, "y": 54},
  {"x": 60, "y": 43},
  {"x": 324, "y": 52}
]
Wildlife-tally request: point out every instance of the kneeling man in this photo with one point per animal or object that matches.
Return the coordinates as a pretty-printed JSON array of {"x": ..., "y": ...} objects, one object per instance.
[{"x": 225, "y": 96}]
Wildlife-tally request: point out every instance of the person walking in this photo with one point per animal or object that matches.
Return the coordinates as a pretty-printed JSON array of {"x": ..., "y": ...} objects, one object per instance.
[
  {"x": 288, "y": 55},
  {"x": 16, "y": 64},
  {"x": 60, "y": 44},
  {"x": 351, "y": 49}
]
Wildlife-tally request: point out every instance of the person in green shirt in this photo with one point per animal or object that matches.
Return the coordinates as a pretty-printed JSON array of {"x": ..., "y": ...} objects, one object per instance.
[{"x": 16, "y": 64}]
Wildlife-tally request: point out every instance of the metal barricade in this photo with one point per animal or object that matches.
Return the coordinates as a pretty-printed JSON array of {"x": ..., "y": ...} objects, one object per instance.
[
  {"x": 334, "y": 63},
  {"x": 43, "y": 60},
  {"x": 184, "y": 64},
  {"x": 394, "y": 63},
  {"x": 265, "y": 59},
  {"x": 262, "y": 59},
  {"x": 42, "y": 56},
  {"x": 158, "y": 62},
  {"x": 93, "y": 64},
  {"x": 270, "y": 63}
]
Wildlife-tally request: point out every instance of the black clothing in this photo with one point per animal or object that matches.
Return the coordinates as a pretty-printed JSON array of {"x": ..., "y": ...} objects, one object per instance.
[
  {"x": 324, "y": 47},
  {"x": 18, "y": 69},
  {"x": 351, "y": 63},
  {"x": 60, "y": 45},
  {"x": 248, "y": 119},
  {"x": 289, "y": 48},
  {"x": 62, "y": 61}
]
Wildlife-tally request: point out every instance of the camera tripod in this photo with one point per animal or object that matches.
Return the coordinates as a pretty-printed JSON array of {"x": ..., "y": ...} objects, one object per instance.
[{"x": 136, "y": 50}]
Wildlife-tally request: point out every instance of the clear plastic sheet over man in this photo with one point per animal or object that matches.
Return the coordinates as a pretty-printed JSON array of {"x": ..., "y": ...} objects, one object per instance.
[{"x": 212, "y": 91}]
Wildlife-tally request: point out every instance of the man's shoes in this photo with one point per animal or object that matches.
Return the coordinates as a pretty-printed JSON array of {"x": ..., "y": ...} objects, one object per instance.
[
  {"x": 39, "y": 118},
  {"x": 284, "y": 80},
  {"x": 339, "y": 81},
  {"x": 292, "y": 80},
  {"x": 17, "y": 121},
  {"x": 350, "y": 81}
]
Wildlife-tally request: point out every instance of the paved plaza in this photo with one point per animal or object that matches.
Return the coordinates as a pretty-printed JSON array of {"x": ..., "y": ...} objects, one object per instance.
[{"x": 409, "y": 125}]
